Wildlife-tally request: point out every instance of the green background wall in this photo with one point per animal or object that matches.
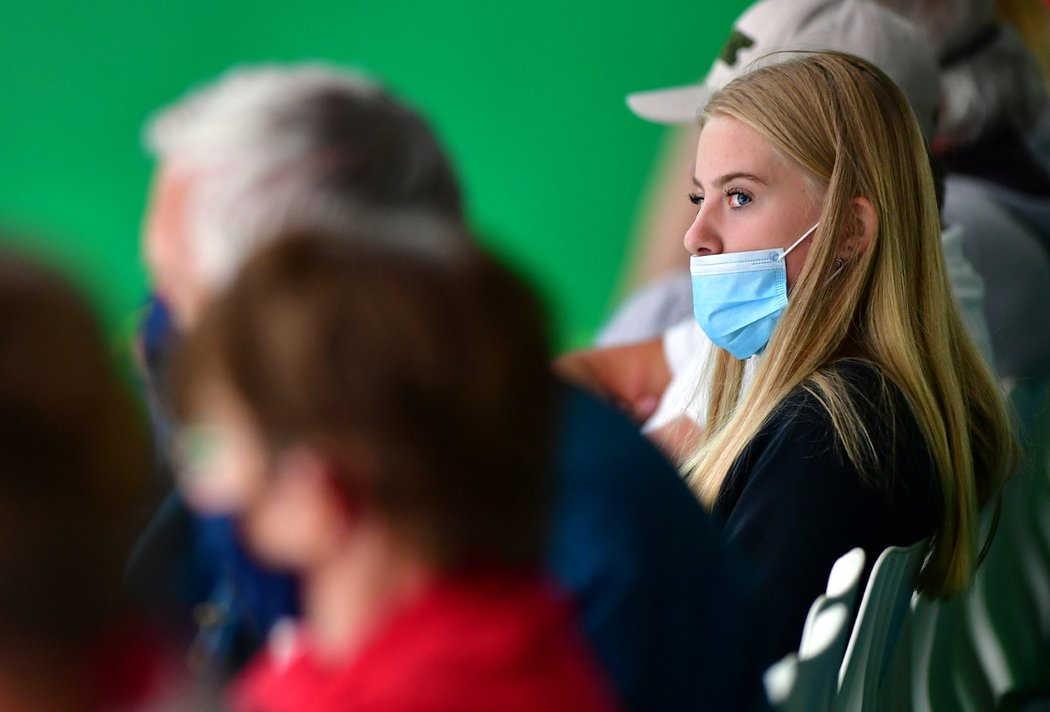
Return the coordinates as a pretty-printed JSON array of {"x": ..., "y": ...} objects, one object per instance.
[{"x": 528, "y": 98}]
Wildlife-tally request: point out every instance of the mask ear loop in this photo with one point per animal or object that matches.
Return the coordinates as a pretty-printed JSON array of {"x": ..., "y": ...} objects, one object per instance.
[
  {"x": 839, "y": 262},
  {"x": 796, "y": 243}
]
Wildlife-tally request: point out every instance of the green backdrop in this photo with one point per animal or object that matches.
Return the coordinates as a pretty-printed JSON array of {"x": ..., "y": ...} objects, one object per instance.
[{"x": 528, "y": 98}]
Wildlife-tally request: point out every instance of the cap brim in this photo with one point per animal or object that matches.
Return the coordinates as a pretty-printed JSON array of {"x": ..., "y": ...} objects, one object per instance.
[{"x": 679, "y": 105}]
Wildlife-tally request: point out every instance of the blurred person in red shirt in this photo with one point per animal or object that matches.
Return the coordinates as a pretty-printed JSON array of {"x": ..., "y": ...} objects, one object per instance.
[{"x": 375, "y": 409}]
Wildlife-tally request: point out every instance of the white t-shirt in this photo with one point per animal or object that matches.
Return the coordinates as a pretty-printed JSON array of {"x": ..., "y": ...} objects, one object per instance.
[{"x": 687, "y": 351}]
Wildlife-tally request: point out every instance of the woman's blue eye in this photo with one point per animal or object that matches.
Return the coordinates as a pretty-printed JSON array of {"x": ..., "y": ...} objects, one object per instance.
[
  {"x": 738, "y": 199},
  {"x": 696, "y": 199}
]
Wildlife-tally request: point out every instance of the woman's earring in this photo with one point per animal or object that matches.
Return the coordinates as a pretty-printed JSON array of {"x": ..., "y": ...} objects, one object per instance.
[{"x": 839, "y": 262}]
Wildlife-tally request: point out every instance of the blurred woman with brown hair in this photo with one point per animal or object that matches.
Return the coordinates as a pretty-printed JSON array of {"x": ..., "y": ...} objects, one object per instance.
[
  {"x": 73, "y": 458},
  {"x": 375, "y": 409}
]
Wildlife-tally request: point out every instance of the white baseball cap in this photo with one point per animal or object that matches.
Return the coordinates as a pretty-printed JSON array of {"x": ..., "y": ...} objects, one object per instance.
[{"x": 860, "y": 27}]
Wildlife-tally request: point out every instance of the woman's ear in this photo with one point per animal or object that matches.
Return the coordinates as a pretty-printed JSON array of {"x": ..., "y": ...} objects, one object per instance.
[{"x": 863, "y": 225}]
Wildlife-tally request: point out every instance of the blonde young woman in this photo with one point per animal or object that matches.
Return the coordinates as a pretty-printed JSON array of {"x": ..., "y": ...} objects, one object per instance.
[{"x": 869, "y": 418}]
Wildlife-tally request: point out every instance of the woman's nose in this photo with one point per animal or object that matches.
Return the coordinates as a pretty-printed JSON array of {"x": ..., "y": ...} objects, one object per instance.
[{"x": 702, "y": 238}]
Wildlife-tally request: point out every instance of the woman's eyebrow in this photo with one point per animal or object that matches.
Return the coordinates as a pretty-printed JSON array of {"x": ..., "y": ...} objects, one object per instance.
[{"x": 731, "y": 176}]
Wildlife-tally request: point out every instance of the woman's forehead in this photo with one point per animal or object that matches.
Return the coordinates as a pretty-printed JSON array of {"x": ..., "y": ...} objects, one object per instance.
[{"x": 729, "y": 149}]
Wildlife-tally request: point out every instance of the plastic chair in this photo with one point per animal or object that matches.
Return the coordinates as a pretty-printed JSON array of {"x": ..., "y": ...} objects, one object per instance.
[
  {"x": 865, "y": 676},
  {"x": 844, "y": 579},
  {"x": 808, "y": 680},
  {"x": 1043, "y": 524},
  {"x": 985, "y": 643}
]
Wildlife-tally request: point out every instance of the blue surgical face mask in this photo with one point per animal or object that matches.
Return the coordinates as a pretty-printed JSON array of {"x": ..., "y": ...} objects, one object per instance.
[{"x": 738, "y": 297}]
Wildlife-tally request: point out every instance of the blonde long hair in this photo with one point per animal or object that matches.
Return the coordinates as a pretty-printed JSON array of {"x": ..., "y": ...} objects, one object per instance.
[{"x": 849, "y": 127}]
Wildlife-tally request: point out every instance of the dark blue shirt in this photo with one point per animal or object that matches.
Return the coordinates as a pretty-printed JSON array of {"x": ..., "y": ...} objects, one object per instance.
[{"x": 664, "y": 604}]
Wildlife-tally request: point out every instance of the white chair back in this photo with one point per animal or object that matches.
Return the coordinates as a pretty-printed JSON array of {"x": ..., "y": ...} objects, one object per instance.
[
  {"x": 845, "y": 578},
  {"x": 807, "y": 681},
  {"x": 864, "y": 676}
]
